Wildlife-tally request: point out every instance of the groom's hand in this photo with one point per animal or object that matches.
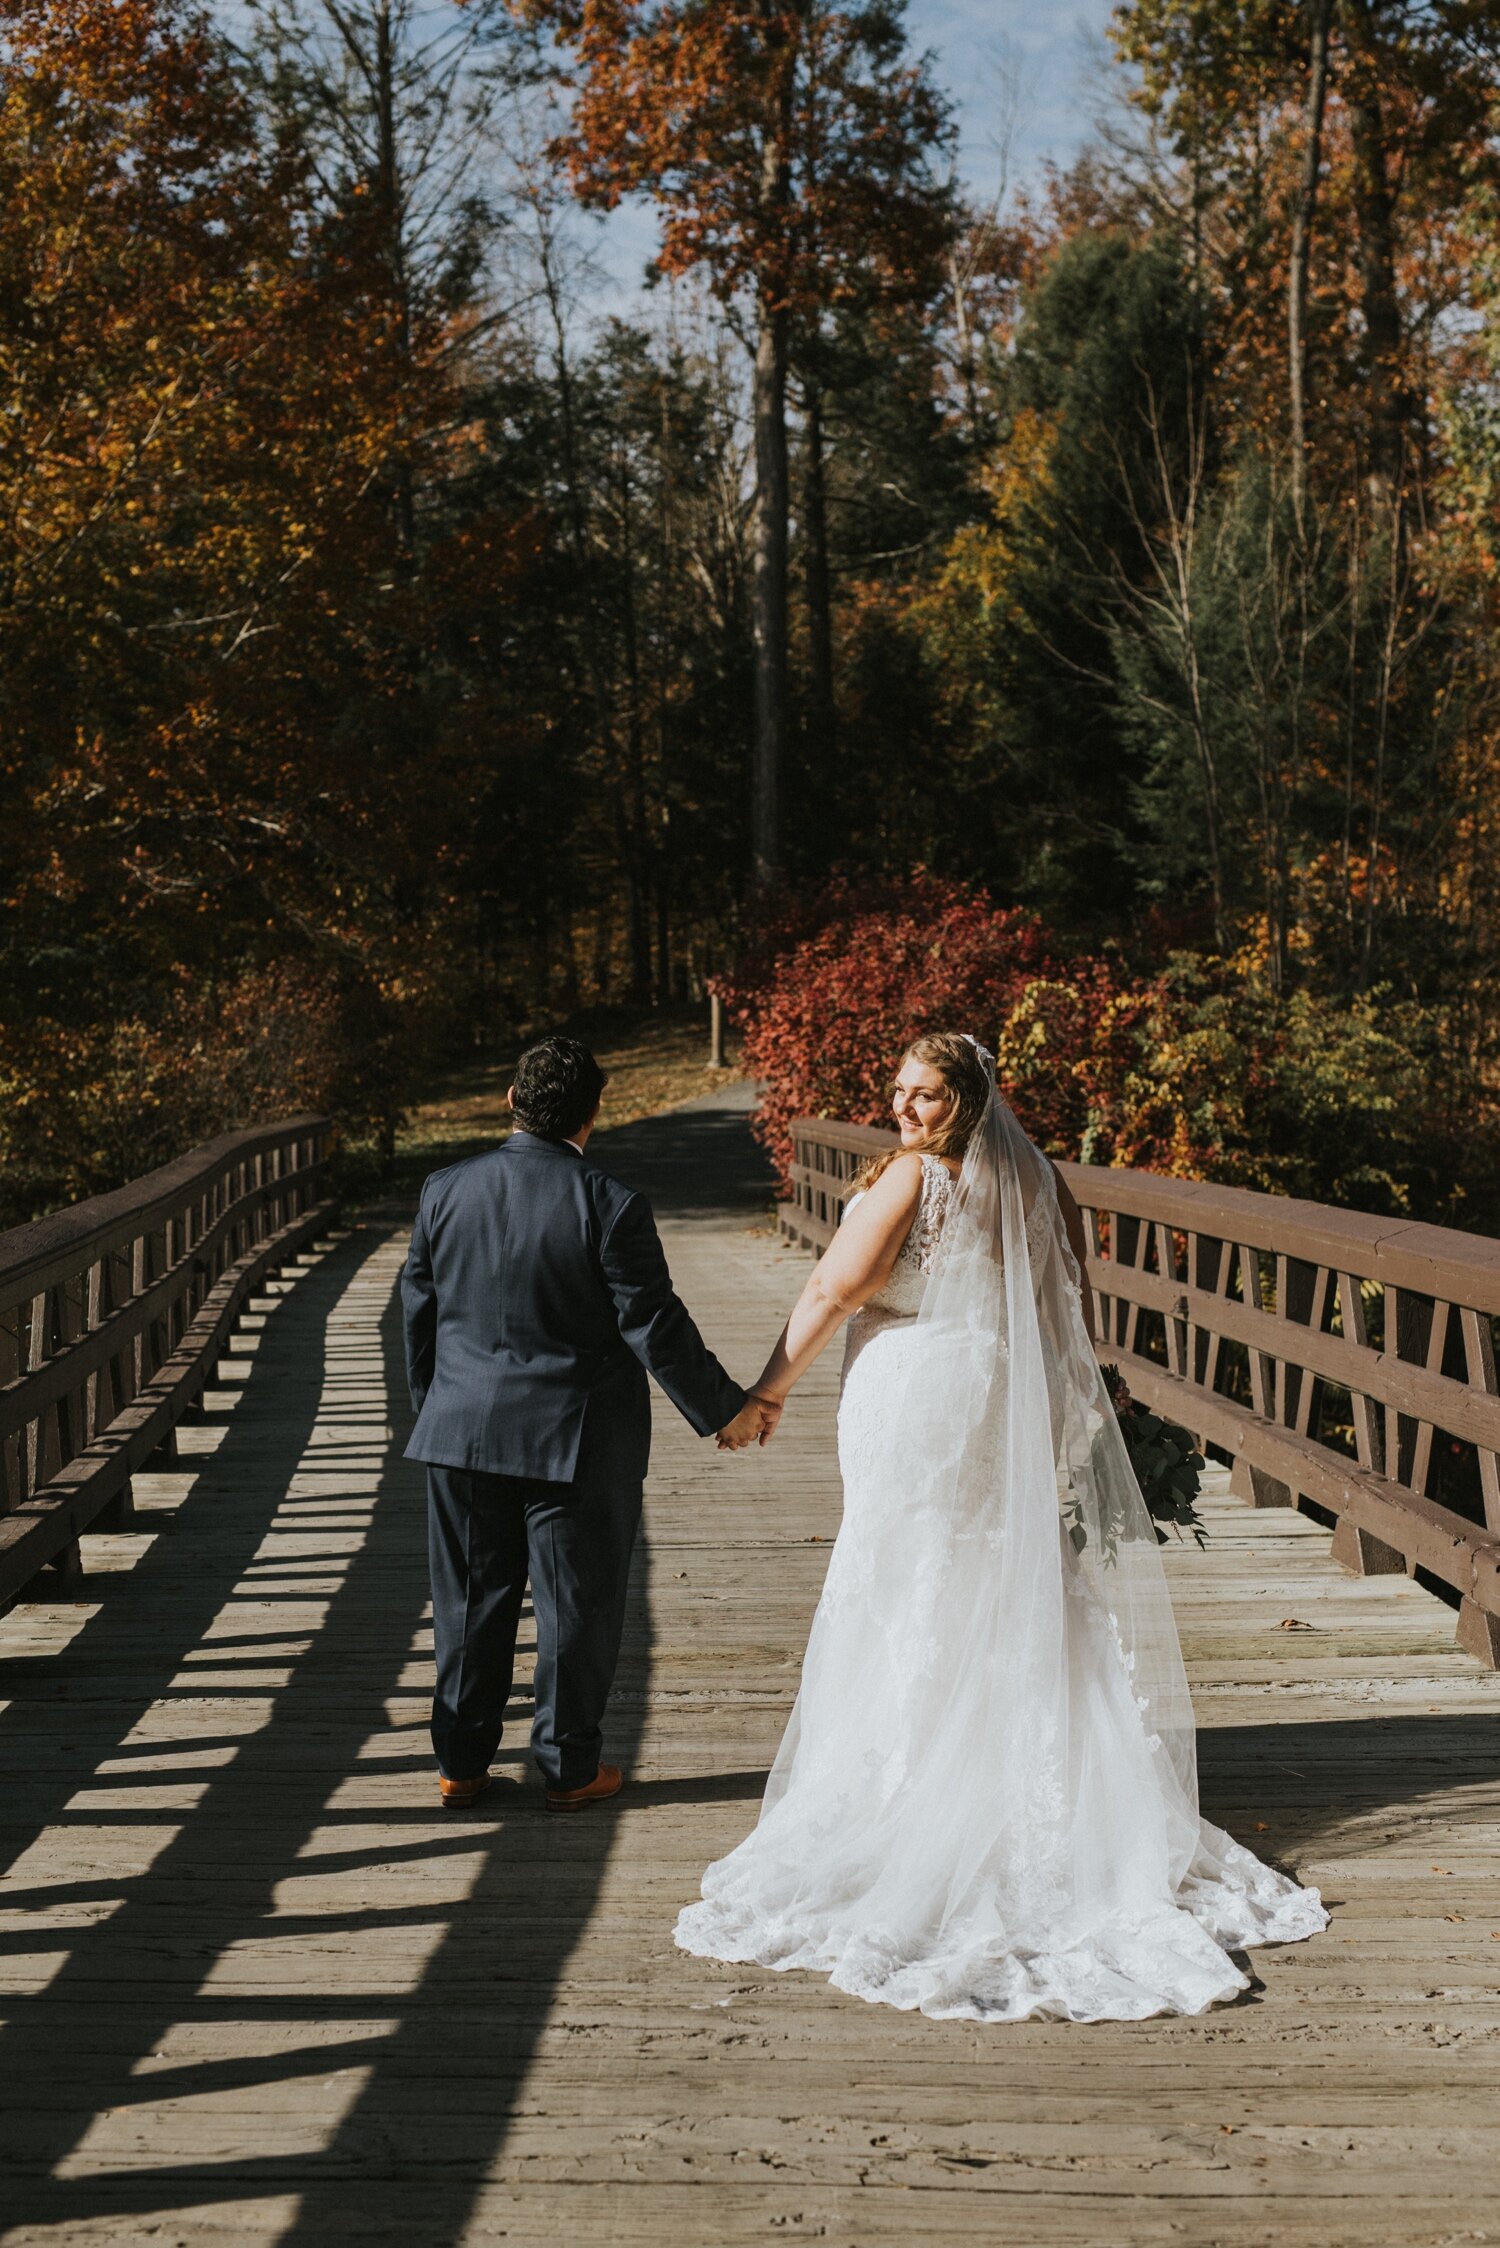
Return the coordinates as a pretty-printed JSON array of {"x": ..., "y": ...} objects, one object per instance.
[{"x": 752, "y": 1424}]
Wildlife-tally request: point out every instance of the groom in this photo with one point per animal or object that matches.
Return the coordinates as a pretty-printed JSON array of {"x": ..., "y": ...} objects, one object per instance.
[{"x": 537, "y": 1300}]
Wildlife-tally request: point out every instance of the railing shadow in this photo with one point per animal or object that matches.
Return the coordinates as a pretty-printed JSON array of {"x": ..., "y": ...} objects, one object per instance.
[
  {"x": 1313, "y": 1780},
  {"x": 69, "y": 2055},
  {"x": 220, "y": 1972}
]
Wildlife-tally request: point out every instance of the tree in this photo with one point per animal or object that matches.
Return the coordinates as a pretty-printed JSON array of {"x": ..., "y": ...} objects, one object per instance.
[
  {"x": 389, "y": 101},
  {"x": 1380, "y": 112},
  {"x": 208, "y": 773},
  {"x": 606, "y": 708},
  {"x": 1319, "y": 15},
  {"x": 1095, "y": 395},
  {"x": 787, "y": 144},
  {"x": 880, "y": 470},
  {"x": 634, "y": 452}
]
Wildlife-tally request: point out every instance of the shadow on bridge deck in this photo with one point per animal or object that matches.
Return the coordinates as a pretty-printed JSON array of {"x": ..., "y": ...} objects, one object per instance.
[
  {"x": 215, "y": 1949},
  {"x": 231, "y": 1747},
  {"x": 258, "y": 1988}
]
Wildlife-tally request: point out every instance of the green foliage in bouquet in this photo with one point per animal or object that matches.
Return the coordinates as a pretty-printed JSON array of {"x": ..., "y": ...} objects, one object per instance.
[{"x": 1168, "y": 1465}]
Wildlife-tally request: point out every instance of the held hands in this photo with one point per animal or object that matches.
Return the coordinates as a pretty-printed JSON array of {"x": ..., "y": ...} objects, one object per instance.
[{"x": 754, "y": 1423}]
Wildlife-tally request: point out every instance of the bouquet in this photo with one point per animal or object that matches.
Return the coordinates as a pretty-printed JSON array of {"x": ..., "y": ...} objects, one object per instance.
[{"x": 1168, "y": 1465}]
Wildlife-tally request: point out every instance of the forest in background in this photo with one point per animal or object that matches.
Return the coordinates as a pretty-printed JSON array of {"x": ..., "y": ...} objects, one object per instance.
[{"x": 395, "y": 658}]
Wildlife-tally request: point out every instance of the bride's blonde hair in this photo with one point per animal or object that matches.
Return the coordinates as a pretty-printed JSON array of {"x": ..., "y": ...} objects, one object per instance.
[{"x": 966, "y": 1074}]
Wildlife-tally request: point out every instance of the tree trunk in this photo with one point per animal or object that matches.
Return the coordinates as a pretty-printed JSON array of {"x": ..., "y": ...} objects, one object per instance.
[
  {"x": 768, "y": 566},
  {"x": 1374, "y": 206},
  {"x": 818, "y": 583},
  {"x": 640, "y": 936},
  {"x": 1302, "y": 223},
  {"x": 573, "y": 484},
  {"x": 768, "y": 604},
  {"x": 393, "y": 221},
  {"x": 636, "y": 824},
  {"x": 666, "y": 576},
  {"x": 963, "y": 330},
  {"x": 664, "y": 991},
  {"x": 1385, "y": 681}
]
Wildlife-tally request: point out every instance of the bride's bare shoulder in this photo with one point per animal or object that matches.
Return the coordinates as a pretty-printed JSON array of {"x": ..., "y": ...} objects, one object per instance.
[{"x": 899, "y": 1184}]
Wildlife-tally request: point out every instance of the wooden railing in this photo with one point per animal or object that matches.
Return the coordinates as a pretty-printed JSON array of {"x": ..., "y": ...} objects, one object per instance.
[
  {"x": 112, "y": 1317},
  {"x": 1346, "y": 1364}
]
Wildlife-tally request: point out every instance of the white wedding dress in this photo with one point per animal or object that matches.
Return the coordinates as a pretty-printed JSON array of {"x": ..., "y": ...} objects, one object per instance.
[{"x": 985, "y": 1803}]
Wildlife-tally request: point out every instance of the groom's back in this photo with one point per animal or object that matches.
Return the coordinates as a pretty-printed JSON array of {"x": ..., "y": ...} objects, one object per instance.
[{"x": 513, "y": 1331}]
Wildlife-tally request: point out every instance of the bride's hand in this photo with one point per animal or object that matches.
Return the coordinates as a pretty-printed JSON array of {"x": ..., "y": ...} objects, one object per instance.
[{"x": 771, "y": 1410}]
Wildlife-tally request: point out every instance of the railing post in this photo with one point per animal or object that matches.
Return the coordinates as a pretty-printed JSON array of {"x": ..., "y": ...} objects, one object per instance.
[
  {"x": 12, "y": 1448},
  {"x": 1479, "y": 1362}
]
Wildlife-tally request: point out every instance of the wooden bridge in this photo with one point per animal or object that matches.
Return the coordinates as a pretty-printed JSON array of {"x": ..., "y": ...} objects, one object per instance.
[{"x": 255, "y": 1987}]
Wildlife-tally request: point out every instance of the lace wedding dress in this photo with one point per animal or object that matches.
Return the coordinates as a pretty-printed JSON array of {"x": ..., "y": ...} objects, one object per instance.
[{"x": 985, "y": 1803}]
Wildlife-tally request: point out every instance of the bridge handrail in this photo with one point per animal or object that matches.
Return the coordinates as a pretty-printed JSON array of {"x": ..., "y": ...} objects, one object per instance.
[
  {"x": 113, "y": 1314},
  {"x": 1247, "y": 1316}
]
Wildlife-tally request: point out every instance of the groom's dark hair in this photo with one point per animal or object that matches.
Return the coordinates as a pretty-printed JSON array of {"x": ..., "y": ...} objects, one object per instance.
[{"x": 558, "y": 1084}]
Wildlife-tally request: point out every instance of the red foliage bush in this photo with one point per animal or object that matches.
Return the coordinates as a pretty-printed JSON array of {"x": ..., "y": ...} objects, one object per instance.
[
  {"x": 1196, "y": 1068},
  {"x": 838, "y": 984}
]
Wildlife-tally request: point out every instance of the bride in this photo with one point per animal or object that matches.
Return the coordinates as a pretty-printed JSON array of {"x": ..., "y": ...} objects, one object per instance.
[{"x": 985, "y": 1804}]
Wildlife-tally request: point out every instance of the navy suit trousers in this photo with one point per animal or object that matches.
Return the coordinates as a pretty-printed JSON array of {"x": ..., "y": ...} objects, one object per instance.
[{"x": 486, "y": 1534}]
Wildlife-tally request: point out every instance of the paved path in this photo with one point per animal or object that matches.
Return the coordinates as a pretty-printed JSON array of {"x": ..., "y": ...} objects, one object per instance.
[{"x": 254, "y": 1988}]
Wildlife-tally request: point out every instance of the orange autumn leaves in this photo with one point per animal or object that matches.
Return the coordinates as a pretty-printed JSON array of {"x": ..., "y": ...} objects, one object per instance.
[
  {"x": 789, "y": 149},
  {"x": 212, "y": 785}
]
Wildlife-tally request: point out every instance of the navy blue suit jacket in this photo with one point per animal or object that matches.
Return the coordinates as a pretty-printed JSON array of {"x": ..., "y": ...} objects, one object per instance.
[{"x": 537, "y": 1299}]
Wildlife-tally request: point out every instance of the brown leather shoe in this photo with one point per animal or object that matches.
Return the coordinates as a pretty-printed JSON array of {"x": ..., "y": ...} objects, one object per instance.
[
  {"x": 458, "y": 1794},
  {"x": 607, "y": 1781}
]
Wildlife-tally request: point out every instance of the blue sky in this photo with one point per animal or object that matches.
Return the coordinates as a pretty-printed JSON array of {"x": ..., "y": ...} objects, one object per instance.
[
  {"x": 1016, "y": 68},
  {"x": 1044, "y": 51}
]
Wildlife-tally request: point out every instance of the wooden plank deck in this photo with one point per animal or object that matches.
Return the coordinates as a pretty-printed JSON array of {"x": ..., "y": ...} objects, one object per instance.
[{"x": 254, "y": 1987}]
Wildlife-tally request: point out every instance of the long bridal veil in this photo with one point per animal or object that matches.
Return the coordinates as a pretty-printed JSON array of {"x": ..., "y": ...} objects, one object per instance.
[{"x": 986, "y": 1801}]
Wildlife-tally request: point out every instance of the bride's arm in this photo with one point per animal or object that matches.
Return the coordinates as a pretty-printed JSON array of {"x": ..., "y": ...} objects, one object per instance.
[{"x": 855, "y": 1266}]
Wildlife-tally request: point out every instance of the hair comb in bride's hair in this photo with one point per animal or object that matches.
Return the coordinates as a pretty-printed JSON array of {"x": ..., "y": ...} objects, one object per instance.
[{"x": 982, "y": 1051}]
